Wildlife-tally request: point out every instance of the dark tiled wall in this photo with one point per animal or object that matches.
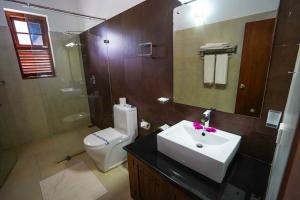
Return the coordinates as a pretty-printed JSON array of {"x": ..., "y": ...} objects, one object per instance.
[{"x": 143, "y": 80}]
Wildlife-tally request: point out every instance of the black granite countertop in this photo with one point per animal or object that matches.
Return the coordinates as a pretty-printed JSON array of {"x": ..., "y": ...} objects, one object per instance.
[{"x": 246, "y": 177}]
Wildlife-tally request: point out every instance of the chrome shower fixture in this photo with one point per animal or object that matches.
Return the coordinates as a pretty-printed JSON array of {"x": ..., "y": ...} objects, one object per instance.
[{"x": 72, "y": 44}]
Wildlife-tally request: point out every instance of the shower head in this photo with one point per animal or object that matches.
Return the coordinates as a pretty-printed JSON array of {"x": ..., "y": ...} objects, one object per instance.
[
  {"x": 72, "y": 32},
  {"x": 72, "y": 44}
]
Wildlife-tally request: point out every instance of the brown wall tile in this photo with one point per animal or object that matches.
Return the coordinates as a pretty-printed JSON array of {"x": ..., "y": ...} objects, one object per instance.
[{"x": 143, "y": 80}]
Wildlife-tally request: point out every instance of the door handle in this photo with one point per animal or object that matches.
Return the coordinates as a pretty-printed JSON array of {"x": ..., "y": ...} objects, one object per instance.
[
  {"x": 252, "y": 110},
  {"x": 242, "y": 86}
]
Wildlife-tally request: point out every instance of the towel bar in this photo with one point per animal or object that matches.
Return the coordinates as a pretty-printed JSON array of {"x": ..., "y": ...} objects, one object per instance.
[{"x": 228, "y": 50}]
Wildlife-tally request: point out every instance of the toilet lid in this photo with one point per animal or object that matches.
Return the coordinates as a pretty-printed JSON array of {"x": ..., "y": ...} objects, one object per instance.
[{"x": 102, "y": 138}]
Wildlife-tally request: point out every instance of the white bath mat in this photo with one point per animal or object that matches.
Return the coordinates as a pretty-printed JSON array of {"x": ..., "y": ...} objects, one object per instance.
[{"x": 74, "y": 183}]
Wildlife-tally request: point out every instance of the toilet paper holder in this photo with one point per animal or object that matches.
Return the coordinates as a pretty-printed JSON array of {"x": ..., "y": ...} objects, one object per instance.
[{"x": 145, "y": 125}]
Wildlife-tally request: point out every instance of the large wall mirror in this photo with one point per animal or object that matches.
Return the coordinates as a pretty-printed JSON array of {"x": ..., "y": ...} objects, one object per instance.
[{"x": 222, "y": 53}]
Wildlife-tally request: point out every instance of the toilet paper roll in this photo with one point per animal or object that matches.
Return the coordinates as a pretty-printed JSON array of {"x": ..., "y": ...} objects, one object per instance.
[
  {"x": 122, "y": 101},
  {"x": 145, "y": 125}
]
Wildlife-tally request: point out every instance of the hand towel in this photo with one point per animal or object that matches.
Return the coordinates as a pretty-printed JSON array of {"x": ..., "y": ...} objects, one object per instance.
[
  {"x": 209, "y": 69},
  {"x": 221, "y": 69}
]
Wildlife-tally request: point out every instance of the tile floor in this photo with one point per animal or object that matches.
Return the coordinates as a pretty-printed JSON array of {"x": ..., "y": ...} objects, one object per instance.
[{"x": 37, "y": 161}]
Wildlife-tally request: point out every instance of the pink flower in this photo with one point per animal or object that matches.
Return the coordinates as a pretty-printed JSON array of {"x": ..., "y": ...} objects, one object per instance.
[
  {"x": 197, "y": 125},
  {"x": 211, "y": 130}
]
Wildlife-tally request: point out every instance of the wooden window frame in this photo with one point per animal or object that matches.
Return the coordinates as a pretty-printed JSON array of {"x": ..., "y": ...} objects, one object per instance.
[{"x": 33, "y": 50}]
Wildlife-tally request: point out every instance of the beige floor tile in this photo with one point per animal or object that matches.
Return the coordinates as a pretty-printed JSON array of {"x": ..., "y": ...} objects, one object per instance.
[
  {"x": 25, "y": 188},
  {"x": 37, "y": 161},
  {"x": 36, "y": 147}
]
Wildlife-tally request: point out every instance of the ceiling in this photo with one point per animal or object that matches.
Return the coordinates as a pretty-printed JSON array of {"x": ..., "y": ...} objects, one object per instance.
[{"x": 60, "y": 23}]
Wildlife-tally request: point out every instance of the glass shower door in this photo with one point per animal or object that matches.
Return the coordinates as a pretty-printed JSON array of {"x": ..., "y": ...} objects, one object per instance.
[{"x": 65, "y": 98}]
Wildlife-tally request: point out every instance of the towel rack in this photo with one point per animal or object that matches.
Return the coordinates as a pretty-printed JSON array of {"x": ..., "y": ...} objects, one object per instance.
[{"x": 228, "y": 50}]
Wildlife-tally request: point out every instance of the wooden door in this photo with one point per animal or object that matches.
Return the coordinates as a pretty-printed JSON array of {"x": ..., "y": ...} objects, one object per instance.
[{"x": 257, "y": 49}]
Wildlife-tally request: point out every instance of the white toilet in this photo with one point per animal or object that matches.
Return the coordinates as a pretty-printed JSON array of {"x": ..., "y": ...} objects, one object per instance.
[{"x": 105, "y": 147}]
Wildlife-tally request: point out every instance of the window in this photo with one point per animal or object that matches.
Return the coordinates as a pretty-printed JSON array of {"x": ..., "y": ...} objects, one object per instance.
[{"x": 32, "y": 45}]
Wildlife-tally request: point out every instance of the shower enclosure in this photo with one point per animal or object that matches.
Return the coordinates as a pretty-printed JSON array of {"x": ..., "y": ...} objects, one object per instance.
[
  {"x": 54, "y": 108},
  {"x": 64, "y": 97}
]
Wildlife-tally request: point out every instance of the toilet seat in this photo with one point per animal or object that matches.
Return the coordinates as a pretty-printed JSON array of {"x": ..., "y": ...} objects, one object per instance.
[
  {"x": 104, "y": 137},
  {"x": 105, "y": 147}
]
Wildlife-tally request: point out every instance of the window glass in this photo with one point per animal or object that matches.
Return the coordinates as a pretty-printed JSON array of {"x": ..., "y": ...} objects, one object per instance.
[
  {"x": 34, "y": 28},
  {"x": 31, "y": 39},
  {"x": 21, "y": 26},
  {"x": 36, "y": 39},
  {"x": 24, "y": 39}
]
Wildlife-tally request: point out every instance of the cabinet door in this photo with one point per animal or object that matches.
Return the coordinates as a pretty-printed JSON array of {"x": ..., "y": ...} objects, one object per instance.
[
  {"x": 153, "y": 186},
  {"x": 179, "y": 195},
  {"x": 164, "y": 189},
  {"x": 133, "y": 177},
  {"x": 147, "y": 184}
]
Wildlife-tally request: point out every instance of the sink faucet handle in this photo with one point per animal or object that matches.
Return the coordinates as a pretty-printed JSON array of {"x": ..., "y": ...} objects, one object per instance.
[{"x": 206, "y": 117}]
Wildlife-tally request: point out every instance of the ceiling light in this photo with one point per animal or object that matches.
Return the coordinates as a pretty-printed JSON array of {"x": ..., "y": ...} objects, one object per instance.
[{"x": 200, "y": 11}]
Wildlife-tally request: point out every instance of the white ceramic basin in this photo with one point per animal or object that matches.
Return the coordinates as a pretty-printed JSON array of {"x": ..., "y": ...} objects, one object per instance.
[{"x": 209, "y": 155}]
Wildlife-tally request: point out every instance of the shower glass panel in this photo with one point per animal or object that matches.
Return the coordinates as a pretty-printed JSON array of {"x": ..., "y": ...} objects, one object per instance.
[{"x": 64, "y": 97}]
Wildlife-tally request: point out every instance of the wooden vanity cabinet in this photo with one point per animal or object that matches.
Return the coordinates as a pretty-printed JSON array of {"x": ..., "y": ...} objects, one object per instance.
[{"x": 147, "y": 184}]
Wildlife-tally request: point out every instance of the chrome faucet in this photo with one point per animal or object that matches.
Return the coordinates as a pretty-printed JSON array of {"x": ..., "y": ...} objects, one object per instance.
[{"x": 206, "y": 117}]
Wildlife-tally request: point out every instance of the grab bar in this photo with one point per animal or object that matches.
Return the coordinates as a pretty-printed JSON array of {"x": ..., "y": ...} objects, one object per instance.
[{"x": 146, "y": 44}]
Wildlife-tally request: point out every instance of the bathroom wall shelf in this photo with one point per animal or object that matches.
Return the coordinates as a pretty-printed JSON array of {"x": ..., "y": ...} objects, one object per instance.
[{"x": 229, "y": 50}]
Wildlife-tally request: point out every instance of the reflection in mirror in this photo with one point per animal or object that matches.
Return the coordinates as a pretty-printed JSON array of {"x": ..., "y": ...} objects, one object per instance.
[{"x": 222, "y": 53}]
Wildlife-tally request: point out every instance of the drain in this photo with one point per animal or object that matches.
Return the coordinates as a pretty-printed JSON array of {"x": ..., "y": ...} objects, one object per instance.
[{"x": 199, "y": 145}]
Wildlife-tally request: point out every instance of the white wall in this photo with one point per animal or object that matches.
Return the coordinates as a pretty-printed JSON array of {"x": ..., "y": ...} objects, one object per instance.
[
  {"x": 219, "y": 10},
  {"x": 105, "y": 8},
  {"x": 59, "y": 22}
]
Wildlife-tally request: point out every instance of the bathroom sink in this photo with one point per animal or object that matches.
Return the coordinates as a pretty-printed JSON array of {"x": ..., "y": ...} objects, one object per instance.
[{"x": 207, "y": 153}]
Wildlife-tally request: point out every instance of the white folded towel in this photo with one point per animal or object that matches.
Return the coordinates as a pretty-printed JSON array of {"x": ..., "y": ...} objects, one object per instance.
[
  {"x": 209, "y": 69},
  {"x": 221, "y": 69},
  {"x": 214, "y": 46}
]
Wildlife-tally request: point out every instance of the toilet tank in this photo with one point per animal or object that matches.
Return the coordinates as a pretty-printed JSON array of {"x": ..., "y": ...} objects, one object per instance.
[{"x": 125, "y": 118}]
